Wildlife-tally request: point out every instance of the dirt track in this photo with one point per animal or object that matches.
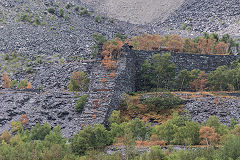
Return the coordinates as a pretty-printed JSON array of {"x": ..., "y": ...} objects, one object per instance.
[{"x": 135, "y": 11}]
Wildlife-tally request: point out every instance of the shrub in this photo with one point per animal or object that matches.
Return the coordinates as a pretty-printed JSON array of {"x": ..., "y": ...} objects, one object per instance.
[
  {"x": 5, "y": 137},
  {"x": 79, "y": 81},
  {"x": 61, "y": 11},
  {"x": 6, "y": 81},
  {"x": 16, "y": 126},
  {"x": 51, "y": 10},
  {"x": 95, "y": 137},
  {"x": 77, "y": 8},
  {"x": 69, "y": 5},
  {"x": 162, "y": 101},
  {"x": 29, "y": 86},
  {"x": 184, "y": 26},
  {"x": 84, "y": 12},
  {"x": 24, "y": 119},
  {"x": 115, "y": 117},
  {"x": 156, "y": 153},
  {"x": 80, "y": 103},
  {"x": 231, "y": 148},
  {"x": 23, "y": 84},
  {"x": 13, "y": 83},
  {"x": 98, "y": 19}
]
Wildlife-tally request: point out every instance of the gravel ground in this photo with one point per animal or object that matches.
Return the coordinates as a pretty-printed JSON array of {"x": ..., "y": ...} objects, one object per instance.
[{"x": 135, "y": 11}]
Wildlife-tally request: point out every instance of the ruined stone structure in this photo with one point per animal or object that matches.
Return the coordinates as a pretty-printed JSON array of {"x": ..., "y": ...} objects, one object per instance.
[{"x": 105, "y": 90}]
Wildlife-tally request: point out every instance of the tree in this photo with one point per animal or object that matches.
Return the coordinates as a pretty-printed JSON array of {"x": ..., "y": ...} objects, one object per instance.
[
  {"x": 183, "y": 79},
  {"x": 214, "y": 122},
  {"x": 188, "y": 134},
  {"x": 221, "y": 48},
  {"x": 164, "y": 71},
  {"x": 139, "y": 129},
  {"x": 128, "y": 143},
  {"x": 23, "y": 84},
  {"x": 39, "y": 132},
  {"x": 231, "y": 148},
  {"x": 200, "y": 83},
  {"x": 208, "y": 136},
  {"x": 6, "y": 81},
  {"x": 189, "y": 46},
  {"x": 146, "y": 76},
  {"x": 16, "y": 126},
  {"x": 175, "y": 43}
]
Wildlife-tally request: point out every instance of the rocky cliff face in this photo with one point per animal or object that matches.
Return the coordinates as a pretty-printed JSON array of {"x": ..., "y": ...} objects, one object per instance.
[{"x": 55, "y": 108}]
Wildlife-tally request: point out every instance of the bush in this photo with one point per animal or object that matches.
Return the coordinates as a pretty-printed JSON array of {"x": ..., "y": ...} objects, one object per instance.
[
  {"x": 231, "y": 148},
  {"x": 156, "y": 153},
  {"x": 115, "y": 117},
  {"x": 96, "y": 137},
  {"x": 51, "y": 10},
  {"x": 6, "y": 81},
  {"x": 79, "y": 81},
  {"x": 162, "y": 101},
  {"x": 23, "y": 84},
  {"x": 80, "y": 103},
  {"x": 16, "y": 126},
  {"x": 69, "y": 5},
  {"x": 61, "y": 11},
  {"x": 5, "y": 137}
]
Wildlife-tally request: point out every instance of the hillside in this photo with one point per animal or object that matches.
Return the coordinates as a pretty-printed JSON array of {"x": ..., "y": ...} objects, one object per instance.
[{"x": 113, "y": 80}]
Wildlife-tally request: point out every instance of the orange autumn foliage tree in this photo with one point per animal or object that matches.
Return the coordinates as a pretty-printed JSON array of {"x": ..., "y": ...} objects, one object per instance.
[
  {"x": 6, "y": 81},
  {"x": 111, "y": 52},
  {"x": 208, "y": 136},
  {"x": 24, "y": 119},
  {"x": 174, "y": 43},
  {"x": 200, "y": 83},
  {"x": 29, "y": 86},
  {"x": 221, "y": 48}
]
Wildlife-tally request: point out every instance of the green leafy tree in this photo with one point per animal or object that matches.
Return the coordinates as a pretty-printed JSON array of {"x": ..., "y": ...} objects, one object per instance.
[
  {"x": 95, "y": 137},
  {"x": 146, "y": 76},
  {"x": 38, "y": 132},
  {"x": 219, "y": 78},
  {"x": 188, "y": 134},
  {"x": 80, "y": 104},
  {"x": 221, "y": 129},
  {"x": 164, "y": 70}
]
